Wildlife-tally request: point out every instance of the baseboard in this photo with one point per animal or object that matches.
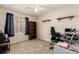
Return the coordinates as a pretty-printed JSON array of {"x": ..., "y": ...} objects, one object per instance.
[{"x": 45, "y": 40}]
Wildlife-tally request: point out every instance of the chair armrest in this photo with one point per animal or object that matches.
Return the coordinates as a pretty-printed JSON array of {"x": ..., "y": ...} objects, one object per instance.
[{"x": 6, "y": 38}]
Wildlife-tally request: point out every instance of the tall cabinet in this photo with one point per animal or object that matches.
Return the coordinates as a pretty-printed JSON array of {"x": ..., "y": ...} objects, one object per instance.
[{"x": 32, "y": 30}]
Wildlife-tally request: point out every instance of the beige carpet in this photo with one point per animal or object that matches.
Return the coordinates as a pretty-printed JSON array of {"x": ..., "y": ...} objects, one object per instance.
[{"x": 31, "y": 47}]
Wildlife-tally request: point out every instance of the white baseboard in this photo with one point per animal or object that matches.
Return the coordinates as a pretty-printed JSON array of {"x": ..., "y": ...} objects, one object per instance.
[{"x": 45, "y": 40}]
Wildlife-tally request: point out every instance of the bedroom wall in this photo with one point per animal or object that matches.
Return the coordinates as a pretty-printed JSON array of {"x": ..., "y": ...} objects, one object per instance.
[
  {"x": 19, "y": 36},
  {"x": 43, "y": 28}
]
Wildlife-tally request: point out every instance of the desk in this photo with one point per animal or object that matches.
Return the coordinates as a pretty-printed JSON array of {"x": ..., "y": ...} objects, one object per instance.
[
  {"x": 61, "y": 49},
  {"x": 72, "y": 36},
  {"x": 75, "y": 33}
]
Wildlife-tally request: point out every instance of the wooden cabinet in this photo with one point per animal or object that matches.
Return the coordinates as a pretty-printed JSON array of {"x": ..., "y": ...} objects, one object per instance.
[{"x": 32, "y": 30}]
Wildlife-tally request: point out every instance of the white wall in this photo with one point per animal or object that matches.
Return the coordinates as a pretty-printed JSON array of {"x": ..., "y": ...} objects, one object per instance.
[
  {"x": 18, "y": 36},
  {"x": 43, "y": 28}
]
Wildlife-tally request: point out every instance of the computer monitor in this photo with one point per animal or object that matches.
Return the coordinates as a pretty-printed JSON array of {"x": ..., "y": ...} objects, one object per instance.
[{"x": 68, "y": 30}]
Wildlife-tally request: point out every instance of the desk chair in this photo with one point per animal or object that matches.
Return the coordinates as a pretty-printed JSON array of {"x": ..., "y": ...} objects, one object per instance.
[
  {"x": 4, "y": 44},
  {"x": 55, "y": 37}
]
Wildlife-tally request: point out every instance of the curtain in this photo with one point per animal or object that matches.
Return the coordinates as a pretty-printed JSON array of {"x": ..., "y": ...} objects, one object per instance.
[
  {"x": 26, "y": 25},
  {"x": 9, "y": 25}
]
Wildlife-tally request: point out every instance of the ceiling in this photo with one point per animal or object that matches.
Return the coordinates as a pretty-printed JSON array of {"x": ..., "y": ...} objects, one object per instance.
[{"x": 30, "y": 8}]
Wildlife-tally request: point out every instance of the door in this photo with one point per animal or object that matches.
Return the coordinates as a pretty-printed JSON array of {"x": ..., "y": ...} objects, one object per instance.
[{"x": 32, "y": 30}]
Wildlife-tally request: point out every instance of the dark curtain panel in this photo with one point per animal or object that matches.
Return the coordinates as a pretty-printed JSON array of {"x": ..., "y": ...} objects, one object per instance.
[
  {"x": 26, "y": 25},
  {"x": 9, "y": 25}
]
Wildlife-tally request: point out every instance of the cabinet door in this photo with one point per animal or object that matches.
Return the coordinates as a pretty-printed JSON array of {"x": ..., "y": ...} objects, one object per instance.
[{"x": 32, "y": 30}]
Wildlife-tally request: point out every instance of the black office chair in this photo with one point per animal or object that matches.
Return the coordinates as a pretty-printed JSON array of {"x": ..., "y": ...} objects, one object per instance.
[
  {"x": 4, "y": 44},
  {"x": 55, "y": 37}
]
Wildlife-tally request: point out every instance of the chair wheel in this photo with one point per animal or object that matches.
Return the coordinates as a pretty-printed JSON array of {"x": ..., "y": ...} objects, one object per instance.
[
  {"x": 50, "y": 43},
  {"x": 51, "y": 48}
]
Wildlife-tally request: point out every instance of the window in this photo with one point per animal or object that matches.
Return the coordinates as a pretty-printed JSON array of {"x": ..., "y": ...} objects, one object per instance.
[{"x": 19, "y": 24}]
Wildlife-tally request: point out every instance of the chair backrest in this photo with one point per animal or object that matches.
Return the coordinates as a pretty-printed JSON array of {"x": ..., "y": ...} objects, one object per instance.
[
  {"x": 52, "y": 31},
  {"x": 2, "y": 37}
]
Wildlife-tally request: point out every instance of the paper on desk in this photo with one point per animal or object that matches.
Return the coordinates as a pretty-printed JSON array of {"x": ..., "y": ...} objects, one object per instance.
[{"x": 63, "y": 44}]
